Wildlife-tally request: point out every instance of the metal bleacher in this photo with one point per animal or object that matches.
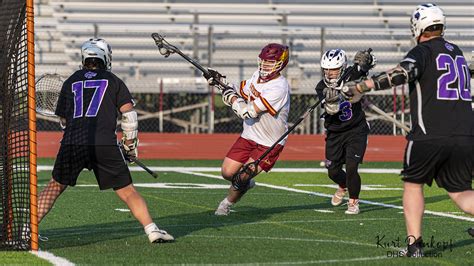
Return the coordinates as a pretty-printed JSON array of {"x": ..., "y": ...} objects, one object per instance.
[{"x": 239, "y": 30}]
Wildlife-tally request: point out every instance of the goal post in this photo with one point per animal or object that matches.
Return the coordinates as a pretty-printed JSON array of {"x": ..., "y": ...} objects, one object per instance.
[{"x": 18, "y": 203}]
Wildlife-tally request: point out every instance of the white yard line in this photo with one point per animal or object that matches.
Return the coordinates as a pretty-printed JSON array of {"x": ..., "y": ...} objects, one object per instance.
[
  {"x": 196, "y": 170},
  {"x": 330, "y": 196},
  {"x": 52, "y": 258}
]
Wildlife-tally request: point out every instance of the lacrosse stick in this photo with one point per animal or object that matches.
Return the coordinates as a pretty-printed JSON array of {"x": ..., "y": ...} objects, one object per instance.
[
  {"x": 253, "y": 165},
  {"x": 166, "y": 49},
  {"x": 142, "y": 165}
]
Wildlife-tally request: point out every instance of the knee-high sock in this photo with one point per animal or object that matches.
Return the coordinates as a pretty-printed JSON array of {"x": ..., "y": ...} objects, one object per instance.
[
  {"x": 338, "y": 176},
  {"x": 353, "y": 179}
]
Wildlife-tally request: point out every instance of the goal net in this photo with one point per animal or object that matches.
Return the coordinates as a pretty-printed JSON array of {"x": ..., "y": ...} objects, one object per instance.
[{"x": 17, "y": 127}]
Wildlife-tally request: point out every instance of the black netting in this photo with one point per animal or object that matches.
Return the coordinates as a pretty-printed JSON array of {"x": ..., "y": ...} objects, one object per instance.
[{"x": 14, "y": 137}]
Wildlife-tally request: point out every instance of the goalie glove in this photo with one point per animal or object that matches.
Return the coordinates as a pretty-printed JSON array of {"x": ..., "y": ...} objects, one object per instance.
[
  {"x": 365, "y": 61},
  {"x": 130, "y": 151},
  {"x": 129, "y": 141}
]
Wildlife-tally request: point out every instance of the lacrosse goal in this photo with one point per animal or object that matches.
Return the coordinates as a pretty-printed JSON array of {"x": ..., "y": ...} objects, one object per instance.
[{"x": 18, "y": 217}]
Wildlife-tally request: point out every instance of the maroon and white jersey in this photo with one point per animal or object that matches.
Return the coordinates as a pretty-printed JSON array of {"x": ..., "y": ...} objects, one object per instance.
[{"x": 273, "y": 97}]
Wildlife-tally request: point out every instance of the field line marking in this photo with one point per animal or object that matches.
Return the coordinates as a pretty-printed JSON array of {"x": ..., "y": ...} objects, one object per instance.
[
  {"x": 50, "y": 257},
  {"x": 218, "y": 169},
  {"x": 330, "y": 196},
  {"x": 301, "y": 239}
]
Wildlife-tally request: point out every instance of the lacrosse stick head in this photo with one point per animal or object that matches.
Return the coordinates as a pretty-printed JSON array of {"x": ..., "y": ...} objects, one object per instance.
[
  {"x": 47, "y": 90},
  {"x": 164, "y": 47},
  {"x": 241, "y": 180}
]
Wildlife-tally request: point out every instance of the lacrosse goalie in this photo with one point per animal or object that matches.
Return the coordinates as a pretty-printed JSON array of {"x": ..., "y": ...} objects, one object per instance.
[
  {"x": 88, "y": 107},
  {"x": 263, "y": 104},
  {"x": 345, "y": 123}
]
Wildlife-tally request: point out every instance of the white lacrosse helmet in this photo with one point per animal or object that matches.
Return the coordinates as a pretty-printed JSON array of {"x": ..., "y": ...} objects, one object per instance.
[
  {"x": 97, "y": 48},
  {"x": 333, "y": 59},
  {"x": 426, "y": 15}
]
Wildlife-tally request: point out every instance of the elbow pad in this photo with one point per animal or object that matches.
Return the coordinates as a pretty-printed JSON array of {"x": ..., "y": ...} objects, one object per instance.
[
  {"x": 244, "y": 110},
  {"x": 405, "y": 72},
  {"x": 130, "y": 125}
]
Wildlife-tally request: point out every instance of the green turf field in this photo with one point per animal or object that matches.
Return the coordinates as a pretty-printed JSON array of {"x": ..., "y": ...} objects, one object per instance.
[{"x": 286, "y": 219}]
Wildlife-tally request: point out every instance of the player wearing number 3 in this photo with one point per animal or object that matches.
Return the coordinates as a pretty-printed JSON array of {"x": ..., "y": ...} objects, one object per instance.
[
  {"x": 345, "y": 123},
  {"x": 88, "y": 107},
  {"x": 441, "y": 141}
]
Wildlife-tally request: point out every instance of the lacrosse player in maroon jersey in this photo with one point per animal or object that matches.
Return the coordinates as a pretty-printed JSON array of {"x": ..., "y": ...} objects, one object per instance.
[
  {"x": 263, "y": 104},
  {"x": 441, "y": 141},
  {"x": 88, "y": 108}
]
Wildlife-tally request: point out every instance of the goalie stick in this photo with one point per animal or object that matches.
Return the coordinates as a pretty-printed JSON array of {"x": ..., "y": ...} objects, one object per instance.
[
  {"x": 142, "y": 165},
  {"x": 166, "y": 49}
]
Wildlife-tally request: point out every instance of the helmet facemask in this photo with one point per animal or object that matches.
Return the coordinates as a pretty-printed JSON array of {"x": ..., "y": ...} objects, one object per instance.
[{"x": 331, "y": 77}]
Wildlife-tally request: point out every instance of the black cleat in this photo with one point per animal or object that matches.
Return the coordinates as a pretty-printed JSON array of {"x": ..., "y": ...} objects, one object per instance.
[
  {"x": 415, "y": 250},
  {"x": 471, "y": 231}
]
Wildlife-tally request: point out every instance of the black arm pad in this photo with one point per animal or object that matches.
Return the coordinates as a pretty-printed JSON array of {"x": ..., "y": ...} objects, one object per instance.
[{"x": 405, "y": 72}]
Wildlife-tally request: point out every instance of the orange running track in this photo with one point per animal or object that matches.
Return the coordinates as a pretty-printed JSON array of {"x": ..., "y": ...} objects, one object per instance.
[{"x": 215, "y": 146}]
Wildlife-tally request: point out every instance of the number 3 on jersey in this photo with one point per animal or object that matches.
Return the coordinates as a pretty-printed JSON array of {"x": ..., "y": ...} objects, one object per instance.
[
  {"x": 78, "y": 88},
  {"x": 345, "y": 108}
]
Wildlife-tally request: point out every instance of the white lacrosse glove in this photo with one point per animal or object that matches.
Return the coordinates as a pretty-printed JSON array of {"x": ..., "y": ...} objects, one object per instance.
[
  {"x": 332, "y": 101},
  {"x": 227, "y": 96},
  {"x": 365, "y": 61},
  {"x": 130, "y": 151}
]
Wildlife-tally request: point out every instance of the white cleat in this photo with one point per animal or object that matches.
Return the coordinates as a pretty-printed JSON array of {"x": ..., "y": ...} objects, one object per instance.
[
  {"x": 160, "y": 236},
  {"x": 353, "y": 207},
  {"x": 224, "y": 208},
  {"x": 338, "y": 197},
  {"x": 155, "y": 235}
]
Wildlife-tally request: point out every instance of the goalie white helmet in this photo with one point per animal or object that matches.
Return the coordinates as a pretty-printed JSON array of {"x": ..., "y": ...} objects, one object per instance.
[
  {"x": 333, "y": 65},
  {"x": 426, "y": 15},
  {"x": 97, "y": 48}
]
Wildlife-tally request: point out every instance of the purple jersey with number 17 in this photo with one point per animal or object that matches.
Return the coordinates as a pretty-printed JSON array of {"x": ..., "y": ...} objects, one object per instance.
[
  {"x": 440, "y": 97},
  {"x": 89, "y": 101}
]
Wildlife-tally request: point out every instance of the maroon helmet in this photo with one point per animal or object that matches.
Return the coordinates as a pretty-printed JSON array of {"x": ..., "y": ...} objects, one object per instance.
[{"x": 271, "y": 60}]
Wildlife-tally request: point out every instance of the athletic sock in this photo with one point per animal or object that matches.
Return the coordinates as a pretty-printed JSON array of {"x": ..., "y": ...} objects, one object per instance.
[{"x": 150, "y": 228}]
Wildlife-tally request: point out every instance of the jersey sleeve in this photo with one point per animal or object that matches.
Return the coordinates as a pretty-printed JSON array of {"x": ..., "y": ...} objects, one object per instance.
[
  {"x": 243, "y": 90},
  {"x": 273, "y": 99},
  {"x": 123, "y": 94},
  {"x": 417, "y": 56}
]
